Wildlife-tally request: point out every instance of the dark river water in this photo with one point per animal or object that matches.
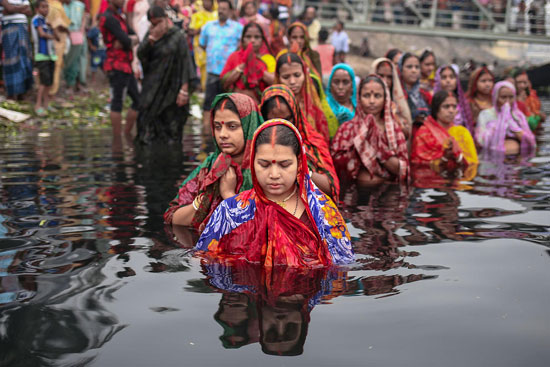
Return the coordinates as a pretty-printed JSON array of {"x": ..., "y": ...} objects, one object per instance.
[{"x": 452, "y": 276}]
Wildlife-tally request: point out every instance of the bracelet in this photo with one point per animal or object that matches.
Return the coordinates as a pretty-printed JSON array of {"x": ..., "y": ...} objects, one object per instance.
[
  {"x": 195, "y": 205},
  {"x": 444, "y": 159},
  {"x": 183, "y": 92},
  {"x": 459, "y": 159}
]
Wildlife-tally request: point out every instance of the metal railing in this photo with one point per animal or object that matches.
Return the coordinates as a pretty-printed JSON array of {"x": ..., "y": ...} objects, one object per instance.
[{"x": 480, "y": 19}]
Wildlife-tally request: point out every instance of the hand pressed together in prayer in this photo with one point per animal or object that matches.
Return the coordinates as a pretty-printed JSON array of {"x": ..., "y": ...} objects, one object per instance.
[{"x": 228, "y": 183}]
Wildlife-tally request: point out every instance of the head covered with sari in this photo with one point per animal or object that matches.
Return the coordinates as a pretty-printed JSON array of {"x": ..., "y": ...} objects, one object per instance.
[
  {"x": 205, "y": 178},
  {"x": 360, "y": 142},
  {"x": 397, "y": 94},
  {"x": 310, "y": 56},
  {"x": 474, "y": 78},
  {"x": 317, "y": 150},
  {"x": 464, "y": 113},
  {"x": 251, "y": 227},
  {"x": 417, "y": 103},
  {"x": 509, "y": 120},
  {"x": 341, "y": 112},
  {"x": 315, "y": 107}
]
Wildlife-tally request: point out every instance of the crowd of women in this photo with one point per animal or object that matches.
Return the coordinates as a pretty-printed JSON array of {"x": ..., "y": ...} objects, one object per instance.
[{"x": 283, "y": 142}]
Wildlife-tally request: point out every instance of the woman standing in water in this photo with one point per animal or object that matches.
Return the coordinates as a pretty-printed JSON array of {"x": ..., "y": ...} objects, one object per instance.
[
  {"x": 480, "y": 88},
  {"x": 278, "y": 102},
  {"x": 234, "y": 118},
  {"x": 341, "y": 94},
  {"x": 371, "y": 148},
  {"x": 285, "y": 219},
  {"x": 503, "y": 127},
  {"x": 418, "y": 99},
  {"x": 250, "y": 69},
  {"x": 167, "y": 75},
  {"x": 427, "y": 71}
]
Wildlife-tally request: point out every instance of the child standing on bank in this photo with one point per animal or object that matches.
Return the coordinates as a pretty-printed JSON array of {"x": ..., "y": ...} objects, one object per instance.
[{"x": 44, "y": 55}]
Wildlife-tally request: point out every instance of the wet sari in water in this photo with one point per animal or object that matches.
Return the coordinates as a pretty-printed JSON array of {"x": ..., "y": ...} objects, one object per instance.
[
  {"x": 317, "y": 150},
  {"x": 166, "y": 67},
  {"x": 362, "y": 143},
  {"x": 463, "y": 113},
  {"x": 205, "y": 178},
  {"x": 253, "y": 228},
  {"x": 341, "y": 112},
  {"x": 495, "y": 127}
]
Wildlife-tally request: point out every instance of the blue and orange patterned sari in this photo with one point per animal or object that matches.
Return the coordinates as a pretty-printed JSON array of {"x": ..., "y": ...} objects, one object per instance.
[{"x": 251, "y": 227}]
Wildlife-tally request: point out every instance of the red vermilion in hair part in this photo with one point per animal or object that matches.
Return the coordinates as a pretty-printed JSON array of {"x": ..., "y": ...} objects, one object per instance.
[
  {"x": 278, "y": 102},
  {"x": 273, "y": 136},
  {"x": 222, "y": 107},
  {"x": 288, "y": 60}
]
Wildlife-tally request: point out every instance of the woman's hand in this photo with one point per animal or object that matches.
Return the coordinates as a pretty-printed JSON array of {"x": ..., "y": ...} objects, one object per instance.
[
  {"x": 240, "y": 68},
  {"x": 183, "y": 96},
  {"x": 228, "y": 183}
]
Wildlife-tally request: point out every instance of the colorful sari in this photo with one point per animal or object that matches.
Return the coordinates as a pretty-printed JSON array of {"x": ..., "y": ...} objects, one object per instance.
[
  {"x": 317, "y": 150},
  {"x": 495, "y": 127},
  {"x": 205, "y": 178},
  {"x": 75, "y": 11},
  {"x": 310, "y": 56},
  {"x": 464, "y": 113},
  {"x": 315, "y": 106},
  {"x": 477, "y": 105},
  {"x": 250, "y": 82},
  {"x": 198, "y": 20},
  {"x": 398, "y": 96},
  {"x": 342, "y": 113},
  {"x": 252, "y": 228},
  {"x": 361, "y": 143},
  {"x": 16, "y": 58},
  {"x": 418, "y": 99}
]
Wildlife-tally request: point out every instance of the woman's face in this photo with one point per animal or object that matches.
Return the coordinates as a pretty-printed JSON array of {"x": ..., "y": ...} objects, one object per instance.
[
  {"x": 341, "y": 86},
  {"x": 447, "y": 111},
  {"x": 396, "y": 58},
  {"x": 427, "y": 66},
  {"x": 411, "y": 70},
  {"x": 505, "y": 95},
  {"x": 384, "y": 71},
  {"x": 372, "y": 98},
  {"x": 485, "y": 84},
  {"x": 276, "y": 169},
  {"x": 522, "y": 82},
  {"x": 448, "y": 80},
  {"x": 292, "y": 75},
  {"x": 298, "y": 35},
  {"x": 254, "y": 36},
  {"x": 228, "y": 132},
  {"x": 249, "y": 9},
  {"x": 280, "y": 111}
]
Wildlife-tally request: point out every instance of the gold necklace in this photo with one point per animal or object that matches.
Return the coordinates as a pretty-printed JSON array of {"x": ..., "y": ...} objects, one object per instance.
[{"x": 282, "y": 203}]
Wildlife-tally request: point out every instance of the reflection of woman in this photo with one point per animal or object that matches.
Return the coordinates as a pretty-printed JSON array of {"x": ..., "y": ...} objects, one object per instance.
[
  {"x": 166, "y": 62},
  {"x": 341, "y": 94},
  {"x": 387, "y": 70},
  {"x": 225, "y": 172},
  {"x": 480, "y": 87},
  {"x": 250, "y": 69},
  {"x": 285, "y": 219},
  {"x": 447, "y": 78},
  {"x": 418, "y": 99},
  {"x": 278, "y": 102},
  {"x": 439, "y": 146},
  {"x": 298, "y": 38},
  {"x": 504, "y": 127},
  {"x": 372, "y": 148},
  {"x": 292, "y": 72}
]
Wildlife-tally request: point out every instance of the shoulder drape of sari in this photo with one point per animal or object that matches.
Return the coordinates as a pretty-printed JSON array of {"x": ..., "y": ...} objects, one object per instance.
[
  {"x": 360, "y": 142},
  {"x": 253, "y": 228},
  {"x": 310, "y": 56},
  {"x": 317, "y": 149},
  {"x": 342, "y": 113},
  {"x": 205, "y": 178},
  {"x": 166, "y": 67},
  {"x": 430, "y": 142}
]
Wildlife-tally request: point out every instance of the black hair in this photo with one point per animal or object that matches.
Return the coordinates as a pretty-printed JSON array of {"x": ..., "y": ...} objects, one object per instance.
[
  {"x": 340, "y": 23},
  {"x": 241, "y": 13},
  {"x": 426, "y": 54},
  {"x": 283, "y": 136},
  {"x": 226, "y": 1},
  {"x": 392, "y": 52},
  {"x": 406, "y": 56},
  {"x": 271, "y": 104},
  {"x": 284, "y": 59},
  {"x": 38, "y": 2},
  {"x": 253, "y": 24},
  {"x": 438, "y": 100},
  {"x": 228, "y": 105},
  {"x": 274, "y": 11},
  {"x": 156, "y": 12},
  {"x": 323, "y": 35},
  {"x": 376, "y": 79}
]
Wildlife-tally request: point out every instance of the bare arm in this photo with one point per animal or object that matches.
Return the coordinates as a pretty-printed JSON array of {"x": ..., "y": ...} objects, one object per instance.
[
  {"x": 184, "y": 215},
  {"x": 322, "y": 182},
  {"x": 392, "y": 165}
]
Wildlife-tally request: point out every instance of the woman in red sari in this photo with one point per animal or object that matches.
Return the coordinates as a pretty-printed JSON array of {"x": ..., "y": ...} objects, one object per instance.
[
  {"x": 285, "y": 219},
  {"x": 480, "y": 89},
  {"x": 372, "y": 147},
  {"x": 278, "y": 102},
  {"x": 293, "y": 72},
  {"x": 298, "y": 38},
  {"x": 250, "y": 69},
  {"x": 528, "y": 96},
  {"x": 439, "y": 148}
]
